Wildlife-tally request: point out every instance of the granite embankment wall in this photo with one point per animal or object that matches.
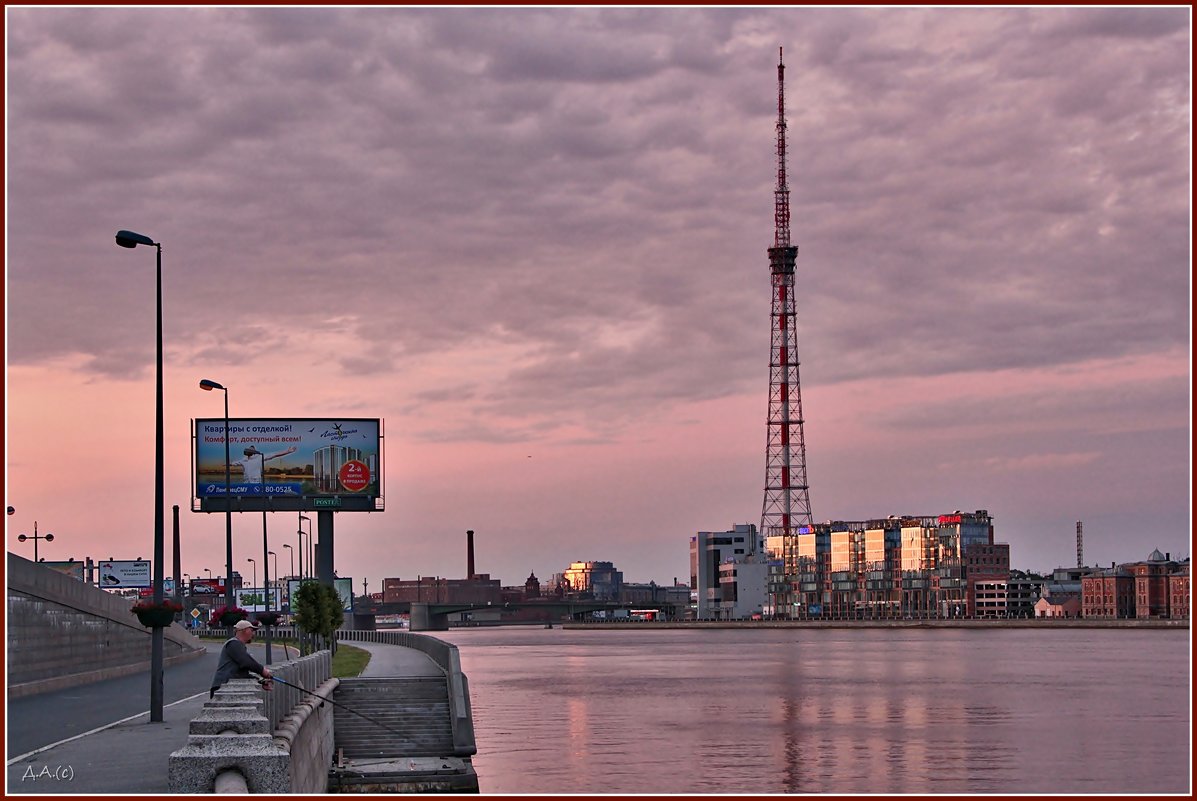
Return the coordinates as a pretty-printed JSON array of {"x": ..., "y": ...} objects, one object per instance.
[{"x": 63, "y": 632}]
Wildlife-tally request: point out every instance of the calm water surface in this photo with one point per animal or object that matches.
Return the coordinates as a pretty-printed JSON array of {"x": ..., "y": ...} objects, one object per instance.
[{"x": 831, "y": 711}]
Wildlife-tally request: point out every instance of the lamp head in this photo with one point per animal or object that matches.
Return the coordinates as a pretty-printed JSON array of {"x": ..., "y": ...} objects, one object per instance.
[
  {"x": 129, "y": 239},
  {"x": 208, "y": 385},
  {"x": 49, "y": 538}
]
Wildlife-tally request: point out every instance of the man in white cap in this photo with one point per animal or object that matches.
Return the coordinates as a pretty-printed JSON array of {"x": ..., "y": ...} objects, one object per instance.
[{"x": 235, "y": 661}]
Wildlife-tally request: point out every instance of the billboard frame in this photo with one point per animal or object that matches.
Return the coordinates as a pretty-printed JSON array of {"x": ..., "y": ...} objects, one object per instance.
[{"x": 302, "y": 502}]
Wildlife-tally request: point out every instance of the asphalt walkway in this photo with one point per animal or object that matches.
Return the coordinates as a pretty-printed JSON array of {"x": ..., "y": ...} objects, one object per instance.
[{"x": 96, "y": 739}]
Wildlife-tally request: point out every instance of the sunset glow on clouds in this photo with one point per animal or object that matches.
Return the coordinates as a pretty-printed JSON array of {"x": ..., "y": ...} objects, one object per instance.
[{"x": 541, "y": 233}]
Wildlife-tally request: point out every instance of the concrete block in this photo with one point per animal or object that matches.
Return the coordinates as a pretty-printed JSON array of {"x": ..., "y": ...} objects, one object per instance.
[
  {"x": 241, "y": 719},
  {"x": 265, "y": 766}
]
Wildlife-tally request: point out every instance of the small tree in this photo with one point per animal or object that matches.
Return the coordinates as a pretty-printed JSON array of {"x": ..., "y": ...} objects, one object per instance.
[{"x": 317, "y": 609}]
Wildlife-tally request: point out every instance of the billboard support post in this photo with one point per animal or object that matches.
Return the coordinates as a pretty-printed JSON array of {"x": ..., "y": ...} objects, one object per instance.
[{"x": 324, "y": 547}]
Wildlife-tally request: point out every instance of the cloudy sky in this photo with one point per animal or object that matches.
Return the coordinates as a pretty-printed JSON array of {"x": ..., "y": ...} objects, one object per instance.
[{"x": 533, "y": 241}]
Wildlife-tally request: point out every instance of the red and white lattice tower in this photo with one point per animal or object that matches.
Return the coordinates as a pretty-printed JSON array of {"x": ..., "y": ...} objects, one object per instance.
[{"x": 787, "y": 499}]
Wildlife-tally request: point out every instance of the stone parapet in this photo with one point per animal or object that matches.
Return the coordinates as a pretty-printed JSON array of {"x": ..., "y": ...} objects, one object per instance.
[{"x": 231, "y": 735}]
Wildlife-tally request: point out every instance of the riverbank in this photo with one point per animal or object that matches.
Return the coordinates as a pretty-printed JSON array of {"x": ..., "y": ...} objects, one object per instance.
[{"x": 1023, "y": 623}]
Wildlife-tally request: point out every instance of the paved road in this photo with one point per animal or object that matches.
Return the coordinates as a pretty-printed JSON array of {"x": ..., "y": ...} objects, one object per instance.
[
  {"x": 116, "y": 750},
  {"x": 115, "y": 747}
]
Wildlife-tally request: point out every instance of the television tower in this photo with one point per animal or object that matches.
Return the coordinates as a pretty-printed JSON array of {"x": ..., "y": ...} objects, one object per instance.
[{"x": 787, "y": 500}]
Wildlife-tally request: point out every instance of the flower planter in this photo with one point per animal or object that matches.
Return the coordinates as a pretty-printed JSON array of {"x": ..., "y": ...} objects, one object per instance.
[
  {"x": 267, "y": 618},
  {"x": 155, "y": 618},
  {"x": 231, "y": 619}
]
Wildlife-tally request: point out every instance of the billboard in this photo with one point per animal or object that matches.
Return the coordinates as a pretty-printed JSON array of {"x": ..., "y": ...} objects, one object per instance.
[
  {"x": 168, "y": 588},
  {"x": 288, "y": 464},
  {"x": 122, "y": 575},
  {"x": 343, "y": 586},
  {"x": 214, "y": 586},
  {"x": 72, "y": 568},
  {"x": 253, "y": 599}
]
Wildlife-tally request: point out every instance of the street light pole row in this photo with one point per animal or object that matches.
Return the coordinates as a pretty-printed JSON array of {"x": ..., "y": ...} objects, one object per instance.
[
  {"x": 208, "y": 386},
  {"x": 129, "y": 239}
]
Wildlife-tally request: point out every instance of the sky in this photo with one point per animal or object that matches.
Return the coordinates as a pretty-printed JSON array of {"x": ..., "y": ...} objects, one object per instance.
[{"x": 532, "y": 241}]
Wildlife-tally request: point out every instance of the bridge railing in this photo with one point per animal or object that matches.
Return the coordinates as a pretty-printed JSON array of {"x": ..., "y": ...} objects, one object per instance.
[{"x": 446, "y": 656}]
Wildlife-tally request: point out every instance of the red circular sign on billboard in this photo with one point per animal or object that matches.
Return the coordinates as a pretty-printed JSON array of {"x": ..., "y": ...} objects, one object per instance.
[{"x": 354, "y": 475}]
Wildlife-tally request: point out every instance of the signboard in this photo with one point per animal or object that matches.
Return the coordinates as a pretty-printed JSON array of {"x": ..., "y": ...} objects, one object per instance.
[
  {"x": 288, "y": 464},
  {"x": 214, "y": 586},
  {"x": 253, "y": 599},
  {"x": 119, "y": 575},
  {"x": 343, "y": 586},
  {"x": 72, "y": 568},
  {"x": 168, "y": 589}
]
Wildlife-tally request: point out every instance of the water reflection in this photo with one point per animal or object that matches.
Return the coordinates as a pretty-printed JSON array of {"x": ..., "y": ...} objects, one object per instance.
[{"x": 800, "y": 711}]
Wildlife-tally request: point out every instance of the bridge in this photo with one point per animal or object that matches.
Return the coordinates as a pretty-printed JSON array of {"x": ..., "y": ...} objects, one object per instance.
[{"x": 435, "y": 616}]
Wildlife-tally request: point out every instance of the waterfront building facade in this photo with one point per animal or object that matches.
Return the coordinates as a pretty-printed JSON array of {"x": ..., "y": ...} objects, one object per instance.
[
  {"x": 598, "y": 580},
  {"x": 1156, "y": 587},
  {"x": 902, "y": 566},
  {"x": 1067, "y": 606},
  {"x": 480, "y": 589},
  {"x": 743, "y": 588},
  {"x": 708, "y": 551}
]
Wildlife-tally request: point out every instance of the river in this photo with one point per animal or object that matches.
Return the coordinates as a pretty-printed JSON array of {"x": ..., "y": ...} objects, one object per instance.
[{"x": 730, "y": 711}]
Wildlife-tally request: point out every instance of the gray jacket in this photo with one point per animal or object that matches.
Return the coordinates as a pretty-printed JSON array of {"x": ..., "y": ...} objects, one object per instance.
[{"x": 235, "y": 663}]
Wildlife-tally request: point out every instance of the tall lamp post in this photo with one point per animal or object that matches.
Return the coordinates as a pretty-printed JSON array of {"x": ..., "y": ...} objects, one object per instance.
[
  {"x": 250, "y": 559},
  {"x": 208, "y": 386},
  {"x": 208, "y": 570},
  {"x": 311, "y": 546},
  {"x": 291, "y": 551},
  {"x": 129, "y": 239},
  {"x": 35, "y": 537}
]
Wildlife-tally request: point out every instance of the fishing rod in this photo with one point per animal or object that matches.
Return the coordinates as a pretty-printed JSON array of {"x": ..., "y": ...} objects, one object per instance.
[{"x": 265, "y": 681}]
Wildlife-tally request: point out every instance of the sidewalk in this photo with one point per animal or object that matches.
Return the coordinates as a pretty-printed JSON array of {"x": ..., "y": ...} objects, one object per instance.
[{"x": 130, "y": 756}]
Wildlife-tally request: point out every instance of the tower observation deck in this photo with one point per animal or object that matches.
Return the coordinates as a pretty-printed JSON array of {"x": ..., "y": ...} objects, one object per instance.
[{"x": 786, "y": 509}]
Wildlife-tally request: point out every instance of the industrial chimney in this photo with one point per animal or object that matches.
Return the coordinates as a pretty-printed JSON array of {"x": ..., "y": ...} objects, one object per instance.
[
  {"x": 470, "y": 554},
  {"x": 1080, "y": 546}
]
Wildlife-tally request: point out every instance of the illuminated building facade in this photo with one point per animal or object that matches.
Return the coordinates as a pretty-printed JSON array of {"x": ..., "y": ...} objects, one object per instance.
[
  {"x": 899, "y": 566},
  {"x": 599, "y": 580}
]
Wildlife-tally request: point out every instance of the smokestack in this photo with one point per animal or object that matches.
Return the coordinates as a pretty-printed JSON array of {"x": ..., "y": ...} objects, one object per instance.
[
  {"x": 470, "y": 554},
  {"x": 1080, "y": 546}
]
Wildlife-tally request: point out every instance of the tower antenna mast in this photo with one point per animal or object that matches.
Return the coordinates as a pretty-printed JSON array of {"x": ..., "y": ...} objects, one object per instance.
[{"x": 786, "y": 507}]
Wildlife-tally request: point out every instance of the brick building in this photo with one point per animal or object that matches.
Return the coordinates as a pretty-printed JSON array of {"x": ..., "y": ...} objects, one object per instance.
[{"x": 1156, "y": 587}]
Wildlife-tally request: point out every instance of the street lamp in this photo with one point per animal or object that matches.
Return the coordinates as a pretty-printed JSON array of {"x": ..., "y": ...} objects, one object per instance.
[
  {"x": 311, "y": 547},
  {"x": 208, "y": 570},
  {"x": 292, "y": 552},
  {"x": 250, "y": 559},
  {"x": 208, "y": 385},
  {"x": 272, "y": 553},
  {"x": 129, "y": 239},
  {"x": 35, "y": 537}
]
